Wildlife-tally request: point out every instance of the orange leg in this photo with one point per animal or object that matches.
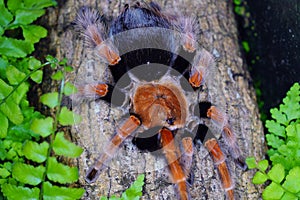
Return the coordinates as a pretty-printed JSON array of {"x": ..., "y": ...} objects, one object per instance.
[
  {"x": 187, "y": 154},
  {"x": 129, "y": 126},
  {"x": 220, "y": 118},
  {"x": 219, "y": 160},
  {"x": 177, "y": 173}
]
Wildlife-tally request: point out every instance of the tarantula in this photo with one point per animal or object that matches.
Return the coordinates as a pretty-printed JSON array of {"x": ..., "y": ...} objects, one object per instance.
[{"x": 157, "y": 64}]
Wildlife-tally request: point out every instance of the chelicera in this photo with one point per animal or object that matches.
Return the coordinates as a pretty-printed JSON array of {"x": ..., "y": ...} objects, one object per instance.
[{"x": 157, "y": 65}]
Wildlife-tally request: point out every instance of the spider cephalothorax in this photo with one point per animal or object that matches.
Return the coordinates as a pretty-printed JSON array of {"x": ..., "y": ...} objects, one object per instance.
[{"x": 157, "y": 66}]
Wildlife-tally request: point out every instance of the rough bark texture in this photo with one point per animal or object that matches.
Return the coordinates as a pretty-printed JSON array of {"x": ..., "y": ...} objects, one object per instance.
[{"x": 219, "y": 36}]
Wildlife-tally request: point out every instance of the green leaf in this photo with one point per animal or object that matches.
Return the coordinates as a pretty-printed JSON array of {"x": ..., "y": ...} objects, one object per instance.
[
  {"x": 4, "y": 173},
  {"x": 27, "y": 16},
  {"x": 43, "y": 127},
  {"x": 20, "y": 92},
  {"x": 37, "y": 76},
  {"x": 54, "y": 192},
  {"x": 277, "y": 173},
  {"x": 39, "y": 4},
  {"x": 289, "y": 196},
  {"x": 259, "y": 178},
  {"x": 293, "y": 131},
  {"x": 13, "y": 75},
  {"x": 50, "y": 99},
  {"x": 274, "y": 141},
  {"x": 251, "y": 163},
  {"x": 14, "y": 5},
  {"x": 67, "y": 117},
  {"x": 36, "y": 152},
  {"x": 5, "y": 89},
  {"x": 15, "y": 48},
  {"x": 64, "y": 147},
  {"x": 28, "y": 174},
  {"x": 279, "y": 116},
  {"x": 6, "y": 17},
  {"x": 13, "y": 192},
  {"x": 69, "y": 89},
  {"x": 12, "y": 111},
  {"x": 292, "y": 181},
  {"x": 263, "y": 165},
  {"x": 33, "y": 33},
  {"x": 61, "y": 173},
  {"x": 58, "y": 76},
  {"x": 273, "y": 191},
  {"x": 135, "y": 190},
  {"x": 275, "y": 128},
  {"x": 3, "y": 125},
  {"x": 33, "y": 63}
]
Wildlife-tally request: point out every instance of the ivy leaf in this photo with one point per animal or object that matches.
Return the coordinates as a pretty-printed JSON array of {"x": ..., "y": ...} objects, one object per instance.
[
  {"x": 64, "y": 147},
  {"x": 43, "y": 127},
  {"x": 3, "y": 125},
  {"x": 251, "y": 163},
  {"x": 292, "y": 181},
  {"x": 13, "y": 75},
  {"x": 50, "y": 99},
  {"x": 67, "y": 117},
  {"x": 55, "y": 192},
  {"x": 33, "y": 33},
  {"x": 36, "y": 152},
  {"x": 12, "y": 112},
  {"x": 28, "y": 174},
  {"x": 6, "y": 17},
  {"x": 263, "y": 165},
  {"x": 275, "y": 128},
  {"x": 13, "y": 192},
  {"x": 61, "y": 173},
  {"x": 259, "y": 178},
  {"x": 273, "y": 191},
  {"x": 15, "y": 48},
  {"x": 69, "y": 89},
  {"x": 37, "y": 76},
  {"x": 27, "y": 16},
  {"x": 277, "y": 173}
]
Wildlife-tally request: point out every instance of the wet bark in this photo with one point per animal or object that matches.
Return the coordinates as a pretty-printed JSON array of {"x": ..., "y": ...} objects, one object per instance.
[{"x": 233, "y": 93}]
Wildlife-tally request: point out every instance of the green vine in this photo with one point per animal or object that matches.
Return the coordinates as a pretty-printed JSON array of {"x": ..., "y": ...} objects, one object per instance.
[
  {"x": 29, "y": 141},
  {"x": 284, "y": 152}
]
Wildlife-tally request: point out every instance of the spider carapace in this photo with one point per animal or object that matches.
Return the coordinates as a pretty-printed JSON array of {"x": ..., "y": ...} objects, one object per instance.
[{"x": 157, "y": 66}]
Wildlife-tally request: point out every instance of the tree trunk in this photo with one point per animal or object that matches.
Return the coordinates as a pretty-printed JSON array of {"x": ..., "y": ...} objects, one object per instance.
[{"x": 234, "y": 93}]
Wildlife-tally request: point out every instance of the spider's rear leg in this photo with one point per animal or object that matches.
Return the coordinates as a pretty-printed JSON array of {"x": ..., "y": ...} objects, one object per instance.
[
  {"x": 171, "y": 153},
  {"x": 207, "y": 110},
  {"x": 207, "y": 138},
  {"x": 89, "y": 23},
  {"x": 127, "y": 128}
]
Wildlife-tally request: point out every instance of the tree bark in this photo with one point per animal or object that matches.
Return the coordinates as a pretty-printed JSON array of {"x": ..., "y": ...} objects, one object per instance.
[{"x": 234, "y": 93}]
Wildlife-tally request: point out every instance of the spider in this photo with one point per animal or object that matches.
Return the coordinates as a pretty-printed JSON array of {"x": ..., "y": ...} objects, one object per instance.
[{"x": 157, "y": 66}]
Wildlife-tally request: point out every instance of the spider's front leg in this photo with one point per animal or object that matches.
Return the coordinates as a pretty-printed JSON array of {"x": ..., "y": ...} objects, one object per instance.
[
  {"x": 171, "y": 153},
  {"x": 127, "y": 128}
]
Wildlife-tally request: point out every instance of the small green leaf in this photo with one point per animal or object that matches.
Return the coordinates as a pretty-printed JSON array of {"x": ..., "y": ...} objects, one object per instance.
[
  {"x": 15, "y": 48},
  {"x": 279, "y": 116},
  {"x": 135, "y": 190},
  {"x": 34, "y": 33},
  {"x": 13, "y": 75},
  {"x": 37, "y": 76},
  {"x": 43, "y": 127},
  {"x": 3, "y": 125},
  {"x": 289, "y": 196},
  {"x": 14, "y": 5},
  {"x": 246, "y": 46},
  {"x": 28, "y": 174},
  {"x": 36, "y": 152},
  {"x": 50, "y": 99},
  {"x": 277, "y": 173},
  {"x": 6, "y": 17},
  {"x": 5, "y": 89},
  {"x": 69, "y": 89},
  {"x": 39, "y": 4},
  {"x": 292, "y": 181},
  {"x": 58, "y": 76},
  {"x": 275, "y": 128},
  {"x": 273, "y": 191},
  {"x": 4, "y": 173},
  {"x": 274, "y": 141},
  {"x": 27, "y": 16},
  {"x": 61, "y": 173},
  {"x": 12, "y": 112},
  {"x": 251, "y": 163},
  {"x": 67, "y": 117},
  {"x": 20, "y": 93},
  {"x": 64, "y": 147},
  {"x": 33, "y": 63},
  {"x": 54, "y": 192},
  {"x": 12, "y": 192},
  {"x": 263, "y": 165},
  {"x": 259, "y": 178}
]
